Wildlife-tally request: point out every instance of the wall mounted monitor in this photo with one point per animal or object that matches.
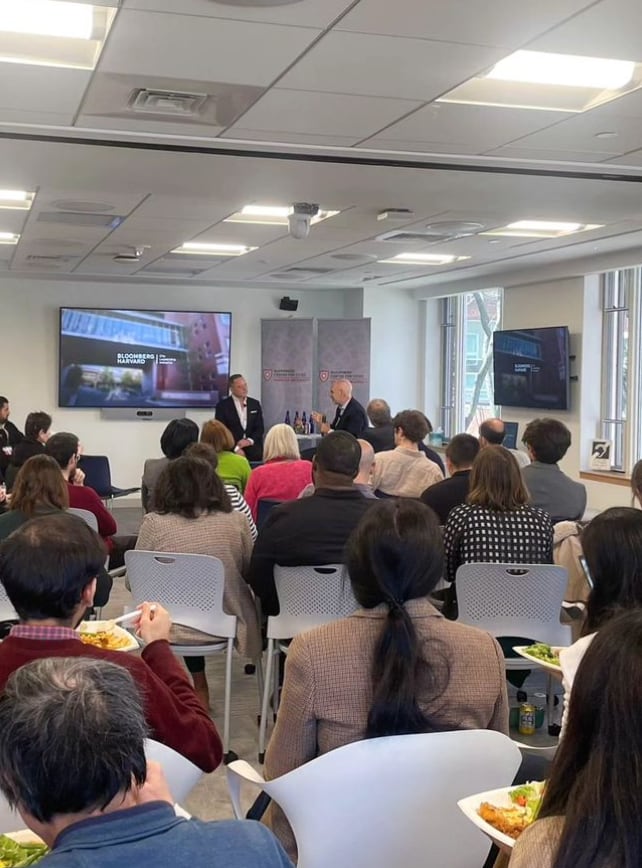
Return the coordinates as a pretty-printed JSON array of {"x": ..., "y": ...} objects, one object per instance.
[
  {"x": 531, "y": 368},
  {"x": 143, "y": 358}
]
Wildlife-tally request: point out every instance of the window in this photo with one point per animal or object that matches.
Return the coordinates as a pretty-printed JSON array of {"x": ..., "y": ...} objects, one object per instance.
[{"x": 468, "y": 323}]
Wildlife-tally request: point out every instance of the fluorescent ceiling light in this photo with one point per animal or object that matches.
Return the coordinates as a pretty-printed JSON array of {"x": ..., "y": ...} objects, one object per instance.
[
  {"x": 423, "y": 259},
  {"x": 204, "y": 249},
  {"x": 18, "y": 199},
  {"x": 53, "y": 32},
  {"x": 566, "y": 70},
  {"x": 272, "y": 215},
  {"x": 549, "y": 82},
  {"x": 541, "y": 229},
  {"x": 9, "y": 238}
]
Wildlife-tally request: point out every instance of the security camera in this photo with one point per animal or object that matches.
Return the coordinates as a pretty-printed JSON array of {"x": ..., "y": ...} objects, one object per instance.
[{"x": 301, "y": 218}]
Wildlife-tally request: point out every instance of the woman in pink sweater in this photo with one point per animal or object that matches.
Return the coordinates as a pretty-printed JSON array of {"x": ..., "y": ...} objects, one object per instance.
[{"x": 283, "y": 475}]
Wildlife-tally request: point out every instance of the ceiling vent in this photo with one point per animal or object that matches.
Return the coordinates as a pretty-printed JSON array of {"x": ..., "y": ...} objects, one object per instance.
[
  {"x": 71, "y": 218},
  {"x": 396, "y": 215},
  {"x": 433, "y": 233},
  {"x": 53, "y": 259},
  {"x": 300, "y": 270},
  {"x": 132, "y": 254},
  {"x": 81, "y": 205},
  {"x": 167, "y": 102}
]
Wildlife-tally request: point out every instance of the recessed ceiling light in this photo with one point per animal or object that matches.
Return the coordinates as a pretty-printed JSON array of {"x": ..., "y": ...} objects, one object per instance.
[
  {"x": 272, "y": 215},
  {"x": 606, "y": 134},
  {"x": 20, "y": 200},
  {"x": 550, "y": 82},
  {"x": 9, "y": 238},
  {"x": 541, "y": 229},
  {"x": 423, "y": 259},
  {"x": 205, "y": 249}
]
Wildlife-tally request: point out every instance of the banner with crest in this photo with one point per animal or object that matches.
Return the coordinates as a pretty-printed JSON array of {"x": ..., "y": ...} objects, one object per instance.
[{"x": 287, "y": 359}]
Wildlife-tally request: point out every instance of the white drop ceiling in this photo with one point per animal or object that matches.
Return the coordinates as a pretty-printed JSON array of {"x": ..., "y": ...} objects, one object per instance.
[{"x": 316, "y": 79}]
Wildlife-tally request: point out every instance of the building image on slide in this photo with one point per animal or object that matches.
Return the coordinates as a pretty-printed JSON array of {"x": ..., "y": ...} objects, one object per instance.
[{"x": 126, "y": 358}]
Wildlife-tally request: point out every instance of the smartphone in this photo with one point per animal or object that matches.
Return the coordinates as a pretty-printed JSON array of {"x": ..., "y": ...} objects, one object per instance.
[{"x": 586, "y": 571}]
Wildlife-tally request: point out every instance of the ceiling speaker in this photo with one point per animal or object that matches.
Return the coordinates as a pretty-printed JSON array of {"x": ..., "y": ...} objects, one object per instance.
[{"x": 288, "y": 303}]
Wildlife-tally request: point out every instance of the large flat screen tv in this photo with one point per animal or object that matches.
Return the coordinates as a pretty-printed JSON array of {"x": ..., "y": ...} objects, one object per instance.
[
  {"x": 531, "y": 368},
  {"x": 143, "y": 358}
]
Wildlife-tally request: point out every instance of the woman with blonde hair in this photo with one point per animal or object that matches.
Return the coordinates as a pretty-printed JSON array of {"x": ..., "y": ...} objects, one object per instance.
[
  {"x": 283, "y": 475},
  {"x": 232, "y": 468}
]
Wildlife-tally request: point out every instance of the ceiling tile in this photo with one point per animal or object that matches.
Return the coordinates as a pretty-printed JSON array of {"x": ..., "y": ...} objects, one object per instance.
[
  {"x": 211, "y": 49},
  {"x": 39, "y": 118},
  {"x": 555, "y": 155},
  {"x": 137, "y": 125},
  {"x": 41, "y": 88},
  {"x": 381, "y": 143},
  {"x": 501, "y": 23},
  {"x": 309, "y": 13},
  {"x": 357, "y": 63},
  {"x": 579, "y": 134},
  {"x": 634, "y": 158},
  {"x": 278, "y": 136},
  {"x": 323, "y": 113},
  {"x": 607, "y": 29}
]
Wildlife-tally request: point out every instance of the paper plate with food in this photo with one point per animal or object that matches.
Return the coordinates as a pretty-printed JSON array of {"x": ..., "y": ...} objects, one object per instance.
[
  {"x": 504, "y": 814},
  {"x": 19, "y": 849},
  {"x": 108, "y": 636},
  {"x": 545, "y": 656}
]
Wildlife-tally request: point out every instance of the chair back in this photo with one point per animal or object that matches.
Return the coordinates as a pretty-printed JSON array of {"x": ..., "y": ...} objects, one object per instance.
[
  {"x": 10, "y": 819},
  {"x": 7, "y": 612},
  {"x": 393, "y": 801},
  {"x": 514, "y": 600},
  {"x": 263, "y": 508},
  {"x": 190, "y": 587},
  {"x": 182, "y": 775},
  {"x": 97, "y": 474},
  {"x": 309, "y": 597},
  {"x": 88, "y": 517}
]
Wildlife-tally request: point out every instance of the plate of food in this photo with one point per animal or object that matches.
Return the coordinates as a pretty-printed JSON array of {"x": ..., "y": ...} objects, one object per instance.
[
  {"x": 108, "y": 636},
  {"x": 542, "y": 655},
  {"x": 19, "y": 849},
  {"x": 504, "y": 814}
]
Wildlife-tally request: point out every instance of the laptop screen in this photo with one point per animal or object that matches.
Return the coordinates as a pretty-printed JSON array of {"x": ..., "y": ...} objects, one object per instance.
[{"x": 510, "y": 437}]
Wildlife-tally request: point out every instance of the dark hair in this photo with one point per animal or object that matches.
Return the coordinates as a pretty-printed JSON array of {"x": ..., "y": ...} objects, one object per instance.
[
  {"x": 86, "y": 717},
  {"x": 35, "y": 423},
  {"x": 47, "y": 563},
  {"x": 234, "y": 377},
  {"x": 62, "y": 447},
  {"x": 339, "y": 452},
  {"x": 462, "y": 450},
  {"x": 204, "y": 451},
  {"x": 636, "y": 479},
  {"x": 378, "y": 412},
  {"x": 190, "y": 487},
  {"x": 594, "y": 783},
  {"x": 177, "y": 436},
  {"x": 394, "y": 555},
  {"x": 491, "y": 433},
  {"x": 612, "y": 546},
  {"x": 415, "y": 425},
  {"x": 548, "y": 438},
  {"x": 495, "y": 481},
  {"x": 39, "y": 485},
  {"x": 217, "y": 435},
  {"x": 3, "y": 401}
]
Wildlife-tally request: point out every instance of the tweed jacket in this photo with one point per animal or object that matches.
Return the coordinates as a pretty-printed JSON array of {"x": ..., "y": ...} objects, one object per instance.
[
  {"x": 535, "y": 848},
  {"x": 224, "y": 535},
  {"x": 327, "y": 690}
]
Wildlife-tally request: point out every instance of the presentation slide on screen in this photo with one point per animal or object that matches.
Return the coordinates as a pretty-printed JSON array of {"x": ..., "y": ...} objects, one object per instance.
[
  {"x": 531, "y": 368},
  {"x": 129, "y": 358}
]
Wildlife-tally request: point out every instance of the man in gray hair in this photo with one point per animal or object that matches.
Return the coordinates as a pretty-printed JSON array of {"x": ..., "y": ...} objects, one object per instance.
[{"x": 72, "y": 761}]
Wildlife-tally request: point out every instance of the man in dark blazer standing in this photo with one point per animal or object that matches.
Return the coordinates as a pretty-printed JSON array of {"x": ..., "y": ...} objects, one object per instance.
[
  {"x": 10, "y": 436},
  {"x": 350, "y": 415},
  {"x": 244, "y": 417}
]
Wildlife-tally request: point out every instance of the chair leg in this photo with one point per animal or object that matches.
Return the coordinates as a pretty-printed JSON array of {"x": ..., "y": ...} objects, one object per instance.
[
  {"x": 259, "y": 678},
  {"x": 275, "y": 685},
  {"x": 266, "y": 698},
  {"x": 228, "y": 697}
]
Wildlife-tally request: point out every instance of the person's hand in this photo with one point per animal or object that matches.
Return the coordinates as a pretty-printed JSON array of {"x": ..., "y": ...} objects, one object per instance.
[
  {"x": 78, "y": 477},
  {"x": 155, "y": 788},
  {"x": 3, "y": 492},
  {"x": 325, "y": 428},
  {"x": 318, "y": 417},
  {"x": 155, "y": 622},
  {"x": 244, "y": 443}
]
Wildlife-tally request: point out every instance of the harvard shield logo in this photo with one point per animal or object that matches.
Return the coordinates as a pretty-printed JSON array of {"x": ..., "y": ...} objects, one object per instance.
[
  {"x": 267, "y": 374},
  {"x": 324, "y": 376}
]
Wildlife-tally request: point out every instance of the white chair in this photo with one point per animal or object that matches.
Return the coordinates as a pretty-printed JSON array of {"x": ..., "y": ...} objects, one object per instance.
[
  {"x": 88, "y": 517},
  {"x": 10, "y": 820},
  {"x": 191, "y": 588},
  {"x": 7, "y": 612},
  {"x": 182, "y": 775},
  {"x": 309, "y": 596},
  {"x": 389, "y": 801}
]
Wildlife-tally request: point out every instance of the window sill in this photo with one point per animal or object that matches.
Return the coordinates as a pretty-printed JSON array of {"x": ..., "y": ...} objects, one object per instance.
[{"x": 611, "y": 477}]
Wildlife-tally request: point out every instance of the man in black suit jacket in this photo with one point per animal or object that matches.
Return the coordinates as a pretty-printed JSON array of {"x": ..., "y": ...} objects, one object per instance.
[
  {"x": 244, "y": 417},
  {"x": 350, "y": 415},
  {"x": 10, "y": 436},
  {"x": 444, "y": 496}
]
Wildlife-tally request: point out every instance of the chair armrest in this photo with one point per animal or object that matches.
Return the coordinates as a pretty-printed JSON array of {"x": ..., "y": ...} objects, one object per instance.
[{"x": 237, "y": 772}]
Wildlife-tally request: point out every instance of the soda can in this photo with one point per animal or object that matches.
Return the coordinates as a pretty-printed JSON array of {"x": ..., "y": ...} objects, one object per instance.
[{"x": 526, "y": 719}]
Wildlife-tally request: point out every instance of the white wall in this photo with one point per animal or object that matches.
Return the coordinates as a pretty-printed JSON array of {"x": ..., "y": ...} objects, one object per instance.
[{"x": 29, "y": 351}]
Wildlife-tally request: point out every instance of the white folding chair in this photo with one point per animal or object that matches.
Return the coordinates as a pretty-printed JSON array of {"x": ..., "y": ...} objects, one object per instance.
[
  {"x": 10, "y": 820},
  {"x": 191, "y": 588},
  {"x": 88, "y": 517},
  {"x": 182, "y": 775},
  {"x": 389, "y": 801},
  {"x": 308, "y": 597},
  {"x": 7, "y": 612}
]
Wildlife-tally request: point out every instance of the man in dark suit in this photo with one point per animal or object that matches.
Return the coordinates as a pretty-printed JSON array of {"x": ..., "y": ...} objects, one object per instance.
[
  {"x": 244, "y": 417},
  {"x": 350, "y": 415},
  {"x": 10, "y": 436},
  {"x": 444, "y": 496}
]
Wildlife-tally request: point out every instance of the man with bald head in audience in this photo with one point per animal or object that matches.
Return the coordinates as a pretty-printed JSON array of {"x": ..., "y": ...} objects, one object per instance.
[
  {"x": 350, "y": 415},
  {"x": 492, "y": 433}
]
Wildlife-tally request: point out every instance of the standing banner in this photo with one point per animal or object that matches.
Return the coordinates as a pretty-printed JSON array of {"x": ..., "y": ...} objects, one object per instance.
[
  {"x": 287, "y": 351},
  {"x": 343, "y": 353}
]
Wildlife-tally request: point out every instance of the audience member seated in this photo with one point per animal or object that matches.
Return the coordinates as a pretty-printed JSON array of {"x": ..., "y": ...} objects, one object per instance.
[
  {"x": 41, "y": 490},
  {"x": 636, "y": 482},
  {"x": 177, "y": 436},
  {"x": 208, "y": 453},
  {"x": 362, "y": 479},
  {"x": 382, "y": 435},
  {"x": 394, "y": 667},
  {"x": 449, "y": 493},
  {"x": 48, "y": 568},
  {"x": 547, "y": 441},
  {"x": 10, "y": 436},
  {"x": 194, "y": 516},
  {"x": 283, "y": 475},
  {"x": 37, "y": 431},
  {"x": 349, "y": 416},
  {"x": 406, "y": 471},
  {"x": 592, "y": 804},
  {"x": 72, "y": 759},
  {"x": 492, "y": 433},
  {"x": 612, "y": 545},
  {"x": 313, "y": 530},
  {"x": 232, "y": 468}
]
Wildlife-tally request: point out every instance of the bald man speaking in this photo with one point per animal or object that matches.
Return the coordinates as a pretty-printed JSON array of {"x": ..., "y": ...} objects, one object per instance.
[{"x": 350, "y": 415}]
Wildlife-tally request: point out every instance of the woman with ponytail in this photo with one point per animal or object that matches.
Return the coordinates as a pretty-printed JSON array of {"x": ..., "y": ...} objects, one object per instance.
[{"x": 396, "y": 666}]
